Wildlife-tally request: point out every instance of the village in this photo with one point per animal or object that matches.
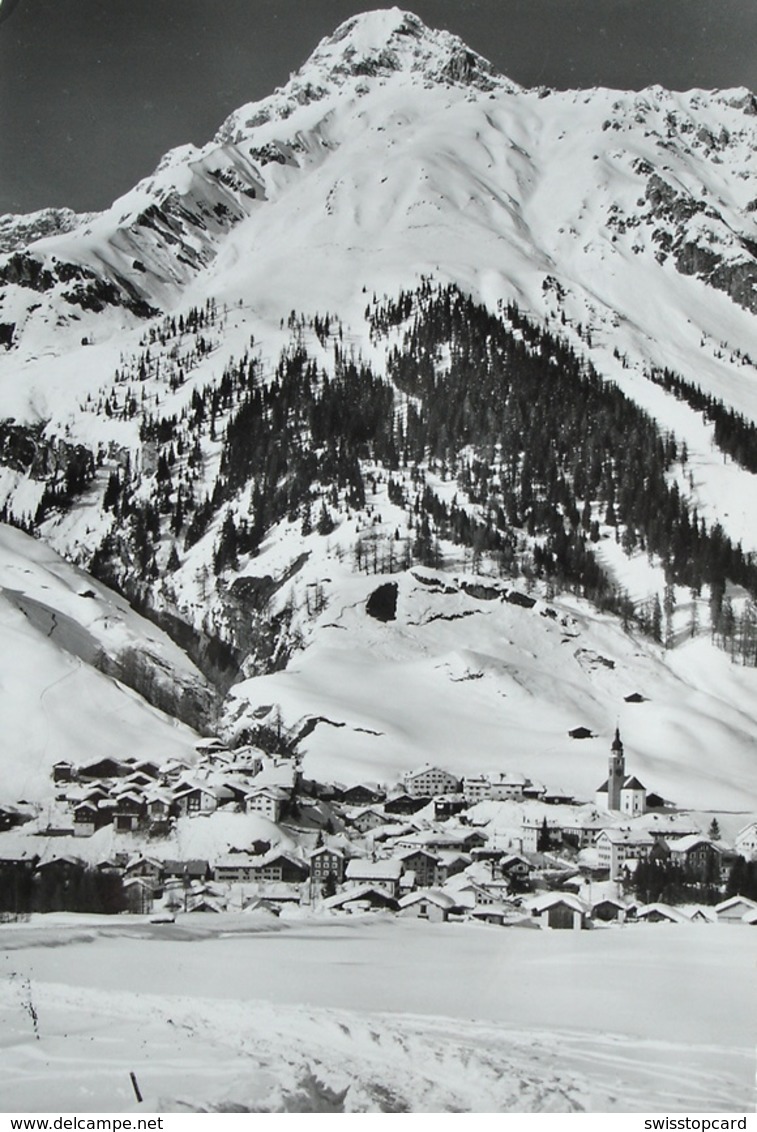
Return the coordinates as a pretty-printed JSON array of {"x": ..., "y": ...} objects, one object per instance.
[{"x": 497, "y": 849}]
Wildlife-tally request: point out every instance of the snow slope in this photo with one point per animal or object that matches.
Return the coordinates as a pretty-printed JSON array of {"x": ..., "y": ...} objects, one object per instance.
[
  {"x": 477, "y": 684},
  {"x": 60, "y": 632}
]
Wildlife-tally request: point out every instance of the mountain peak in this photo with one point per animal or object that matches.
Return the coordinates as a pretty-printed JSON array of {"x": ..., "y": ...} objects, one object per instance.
[
  {"x": 382, "y": 44},
  {"x": 389, "y": 39},
  {"x": 369, "y": 30}
]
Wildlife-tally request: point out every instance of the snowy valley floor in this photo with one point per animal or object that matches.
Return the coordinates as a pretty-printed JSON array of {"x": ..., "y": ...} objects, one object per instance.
[{"x": 374, "y": 1015}]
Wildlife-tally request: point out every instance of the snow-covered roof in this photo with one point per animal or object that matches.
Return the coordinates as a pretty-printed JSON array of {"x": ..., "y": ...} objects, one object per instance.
[
  {"x": 137, "y": 882},
  {"x": 405, "y": 854},
  {"x": 361, "y": 892},
  {"x": 685, "y": 844},
  {"x": 734, "y": 901},
  {"x": 625, "y": 837},
  {"x": 60, "y": 859},
  {"x": 274, "y": 855},
  {"x": 363, "y": 811},
  {"x": 545, "y": 900},
  {"x": 430, "y": 895},
  {"x": 360, "y": 869},
  {"x": 143, "y": 859},
  {"x": 157, "y": 795},
  {"x": 513, "y": 859},
  {"x": 701, "y": 912},
  {"x": 427, "y": 769},
  {"x": 131, "y": 796},
  {"x": 275, "y": 793},
  {"x": 334, "y": 849},
  {"x": 645, "y": 911},
  {"x": 237, "y": 861},
  {"x": 276, "y": 774},
  {"x": 190, "y": 787},
  {"x": 449, "y": 856},
  {"x": 617, "y": 903},
  {"x": 632, "y": 784},
  {"x": 206, "y": 904},
  {"x": 505, "y": 779}
]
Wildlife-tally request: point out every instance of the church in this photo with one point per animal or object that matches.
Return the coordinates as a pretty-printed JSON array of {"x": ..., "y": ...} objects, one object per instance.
[{"x": 620, "y": 794}]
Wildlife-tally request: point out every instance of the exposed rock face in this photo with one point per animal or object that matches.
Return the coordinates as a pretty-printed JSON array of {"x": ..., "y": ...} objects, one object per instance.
[
  {"x": 88, "y": 290},
  {"x": 480, "y": 591},
  {"x": 382, "y": 603},
  {"x": 16, "y": 231},
  {"x": 738, "y": 280},
  {"x": 732, "y": 269},
  {"x": 469, "y": 69},
  {"x": 55, "y": 461}
]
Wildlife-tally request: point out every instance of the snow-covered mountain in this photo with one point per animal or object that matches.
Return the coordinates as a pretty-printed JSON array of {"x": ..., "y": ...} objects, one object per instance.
[
  {"x": 227, "y": 296},
  {"x": 401, "y": 147}
]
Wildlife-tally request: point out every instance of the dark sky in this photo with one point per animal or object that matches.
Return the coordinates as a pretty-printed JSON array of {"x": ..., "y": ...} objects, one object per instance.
[{"x": 92, "y": 92}]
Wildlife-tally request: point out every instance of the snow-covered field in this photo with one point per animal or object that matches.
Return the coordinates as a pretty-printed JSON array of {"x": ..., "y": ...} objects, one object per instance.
[{"x": 375, "y": 1015}]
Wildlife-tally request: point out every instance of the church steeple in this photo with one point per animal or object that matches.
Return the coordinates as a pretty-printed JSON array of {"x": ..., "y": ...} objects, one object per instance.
[{"x": 616, "y": 772}]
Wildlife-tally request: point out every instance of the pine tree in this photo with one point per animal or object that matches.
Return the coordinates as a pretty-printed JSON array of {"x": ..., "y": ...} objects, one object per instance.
[
  {"x": 329, "y": 886},
  {"x": 226, "y": 556},
  {"x": 325, "y": 522},
  {"x": 544, "y": 840},
  {"x": 656, "y": 625},
  {"x": 669, "y": 604}
]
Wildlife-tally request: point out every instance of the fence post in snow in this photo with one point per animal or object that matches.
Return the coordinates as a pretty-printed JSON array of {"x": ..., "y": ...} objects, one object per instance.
[{"x": 135, "y": 1087}]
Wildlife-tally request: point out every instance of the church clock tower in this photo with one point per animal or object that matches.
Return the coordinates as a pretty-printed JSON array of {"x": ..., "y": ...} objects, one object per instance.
[{"x": 616, "y": 774}]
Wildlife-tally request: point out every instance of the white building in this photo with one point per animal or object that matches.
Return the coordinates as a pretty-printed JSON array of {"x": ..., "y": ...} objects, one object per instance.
[
  {"x": 616, "y": 846},
  {"x": 746, "y": 841},
  {"x": 476, "y": 789},
  {"x": 633, "y": 797},
  {"x": 531, "y": 830},
  {"x": 429, "y": 781},
  {"x": 556, "y": 910},
  {"x": 265, "y": 800},
  {"x": 507, "y": 787},
  {"x": 735, "y": 909},
  {"x": 236, "y": 867},
  {"x": 194, "y": 798},
  {"x": 378, "y": 874}
]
